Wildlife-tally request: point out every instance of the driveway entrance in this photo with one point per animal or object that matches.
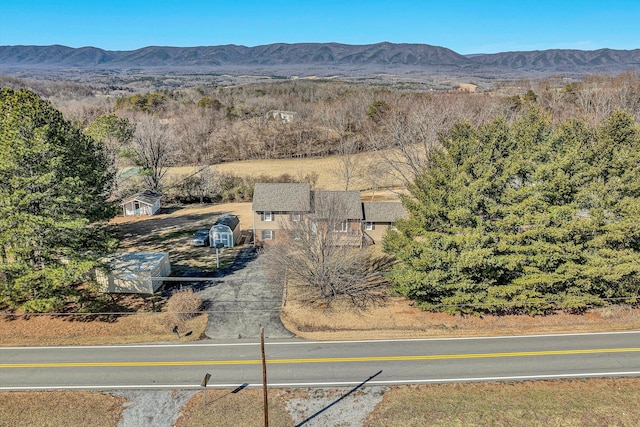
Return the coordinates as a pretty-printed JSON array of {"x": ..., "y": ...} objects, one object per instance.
[{"x": 241, "y": 300}]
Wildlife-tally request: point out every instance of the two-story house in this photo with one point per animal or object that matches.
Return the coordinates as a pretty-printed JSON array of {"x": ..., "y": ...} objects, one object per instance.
[
  {"x": 282, "y": 209},
  {"x": 276, "y": 205}
]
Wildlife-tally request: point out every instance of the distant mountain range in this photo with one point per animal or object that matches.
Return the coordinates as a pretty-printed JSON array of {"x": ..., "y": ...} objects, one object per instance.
[{"x": 320, "y": 55}]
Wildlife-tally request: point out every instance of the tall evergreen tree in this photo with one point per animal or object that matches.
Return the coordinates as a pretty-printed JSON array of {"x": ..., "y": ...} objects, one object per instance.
[
  {"x": 523, "y": 218},
  {"x": 54, "y": 182}
]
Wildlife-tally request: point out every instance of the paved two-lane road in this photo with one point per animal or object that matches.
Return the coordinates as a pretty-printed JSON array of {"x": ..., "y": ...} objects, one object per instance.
[{"x": 303, "y": 363}]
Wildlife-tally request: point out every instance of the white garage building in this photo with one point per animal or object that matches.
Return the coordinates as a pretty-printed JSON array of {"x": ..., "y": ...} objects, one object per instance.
[
  {"x": 134, "y": 272},
  {"x": 146, "y": 202}
]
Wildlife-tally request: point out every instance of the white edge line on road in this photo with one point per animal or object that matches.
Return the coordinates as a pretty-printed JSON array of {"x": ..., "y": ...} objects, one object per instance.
[
  {"x": 302, "y": 342},
  {"x": 332, "y": 384}
]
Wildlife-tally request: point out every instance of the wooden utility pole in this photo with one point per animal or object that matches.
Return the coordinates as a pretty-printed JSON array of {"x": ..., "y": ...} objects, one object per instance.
[{"x": 264, "y": 380}]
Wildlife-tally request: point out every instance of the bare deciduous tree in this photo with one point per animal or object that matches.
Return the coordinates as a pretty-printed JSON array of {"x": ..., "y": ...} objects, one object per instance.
[
  {"x": 317, "y": 253},
  {"x": 193, "y": 137},
  {"x": 348, "y": 167},
  {"x": 152, "y": 149}
]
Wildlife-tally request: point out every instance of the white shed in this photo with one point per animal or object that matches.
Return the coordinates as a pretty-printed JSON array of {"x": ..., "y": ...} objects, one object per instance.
[
  {"x": 134, "y": 272},
  {"x": 226, "y": 230},
  {"x": 146, "y": 202}
]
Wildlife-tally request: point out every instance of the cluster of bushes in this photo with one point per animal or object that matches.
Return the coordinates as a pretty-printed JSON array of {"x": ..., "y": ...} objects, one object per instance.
[
  {"x": 205, "y": 186},
  {"x": 149, "y": 102}
]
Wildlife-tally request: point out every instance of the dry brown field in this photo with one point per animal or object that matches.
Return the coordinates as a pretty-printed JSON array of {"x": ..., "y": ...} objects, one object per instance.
[{"x": 326, "y": 168}]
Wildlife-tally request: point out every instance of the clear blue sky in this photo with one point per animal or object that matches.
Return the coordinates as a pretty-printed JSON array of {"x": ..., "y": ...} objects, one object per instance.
[{"x": 466, "y": 26}]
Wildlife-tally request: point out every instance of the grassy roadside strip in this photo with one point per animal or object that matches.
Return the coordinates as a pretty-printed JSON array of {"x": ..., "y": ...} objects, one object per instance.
[
  {"x": 78, "y": 330},
  {"x": 594, "y": 402},
  {"x": 397, "y": 318},
  {"x": 585, "y": 403},
  {"x": 59, "y": 408}
]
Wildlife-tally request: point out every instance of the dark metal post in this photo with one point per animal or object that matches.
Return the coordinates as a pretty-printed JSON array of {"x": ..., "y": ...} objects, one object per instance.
[{"x": 204, "y": 384}]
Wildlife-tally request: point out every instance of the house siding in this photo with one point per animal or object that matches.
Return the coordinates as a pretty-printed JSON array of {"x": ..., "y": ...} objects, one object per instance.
[
  {"x": 379, "y": 228},
  {"x": 279, "y": 222}
]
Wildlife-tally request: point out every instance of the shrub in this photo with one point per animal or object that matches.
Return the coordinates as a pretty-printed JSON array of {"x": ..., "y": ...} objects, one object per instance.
[{"x": 184, "y": 304}]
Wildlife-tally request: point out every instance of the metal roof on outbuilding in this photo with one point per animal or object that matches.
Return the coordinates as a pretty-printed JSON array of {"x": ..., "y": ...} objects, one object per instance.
[{"x": 133, "y": 272}]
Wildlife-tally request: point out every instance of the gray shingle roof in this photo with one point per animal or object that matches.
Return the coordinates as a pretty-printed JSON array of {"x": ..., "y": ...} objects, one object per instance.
[
  {"x": 277, "y": 197},
  {"x": 383, "y": 211},
  {"x": 347, "y": 202},
  {"x": 145, "y": 196}
]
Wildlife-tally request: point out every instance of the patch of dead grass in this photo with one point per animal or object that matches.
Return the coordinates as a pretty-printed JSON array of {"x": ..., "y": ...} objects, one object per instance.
[
  {"x": 61, "y": 408},
  {"x": 224, "y": 408},
  {"x": 398, "y": 318},
  {"x": 594, "y": 402},
  {"x": 77, "y": 330}
]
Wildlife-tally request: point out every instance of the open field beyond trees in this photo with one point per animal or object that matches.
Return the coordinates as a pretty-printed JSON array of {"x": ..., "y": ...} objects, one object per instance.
[{"x": 326, "y": 168}]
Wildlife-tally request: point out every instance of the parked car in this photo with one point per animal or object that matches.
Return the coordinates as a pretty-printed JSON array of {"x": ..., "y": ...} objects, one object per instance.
[{"x": 200, "y": 238}]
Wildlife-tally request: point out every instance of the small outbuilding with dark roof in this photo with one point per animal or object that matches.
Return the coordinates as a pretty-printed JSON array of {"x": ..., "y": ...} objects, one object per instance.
[{"x": 226, "y": 231}]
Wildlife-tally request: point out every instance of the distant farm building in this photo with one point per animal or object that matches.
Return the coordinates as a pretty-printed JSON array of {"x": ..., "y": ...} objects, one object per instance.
[
  {"x": 146, "y": 202},
  {"x": 134, "y": 272},
  {"x": 226, "y": 230}
]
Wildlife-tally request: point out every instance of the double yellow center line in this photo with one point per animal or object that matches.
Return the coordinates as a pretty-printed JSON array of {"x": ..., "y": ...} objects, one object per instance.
[{"x": 317, "y": 360}]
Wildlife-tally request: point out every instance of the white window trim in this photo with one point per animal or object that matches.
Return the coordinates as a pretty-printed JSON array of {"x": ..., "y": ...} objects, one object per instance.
[
  {"x": 267, "y": 216},
  {"x": 369, "y": 226},
  {"x": 295, "y": 217},
  {"x": 341, "y": 227},
  {"x": 266, "y": 234}
]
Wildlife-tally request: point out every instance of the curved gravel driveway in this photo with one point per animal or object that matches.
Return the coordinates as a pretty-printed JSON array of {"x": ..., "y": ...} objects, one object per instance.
[{"x": 240, "y": 299}]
